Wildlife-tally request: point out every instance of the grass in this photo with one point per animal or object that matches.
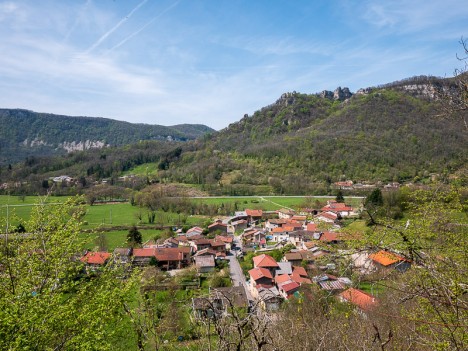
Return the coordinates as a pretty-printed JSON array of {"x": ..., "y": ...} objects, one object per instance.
[
  {"x": 371, "y": 288},
  {"x": 118, "y": 238}
]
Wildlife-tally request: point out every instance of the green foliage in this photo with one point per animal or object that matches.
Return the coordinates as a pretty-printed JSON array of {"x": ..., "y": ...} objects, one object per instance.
[
  {"x": 134, "y": 237},
  {"x": 46, "y": 302},
  {"x": 22, "y": 126}
]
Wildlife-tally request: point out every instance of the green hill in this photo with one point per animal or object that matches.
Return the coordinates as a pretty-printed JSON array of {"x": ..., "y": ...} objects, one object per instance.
[{"x": 25, "y": 133}]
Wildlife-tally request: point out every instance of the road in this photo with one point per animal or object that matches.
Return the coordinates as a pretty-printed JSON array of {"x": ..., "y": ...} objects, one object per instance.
[{"x": 237, "y": 276}]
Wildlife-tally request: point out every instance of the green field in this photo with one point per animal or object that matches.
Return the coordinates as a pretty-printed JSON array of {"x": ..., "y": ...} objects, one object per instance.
[
  {"x": 117, "y": 238},
  {"x": 18, "y": 209}
]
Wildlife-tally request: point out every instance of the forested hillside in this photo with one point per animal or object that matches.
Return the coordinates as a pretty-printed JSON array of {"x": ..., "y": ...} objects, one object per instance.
[
  {"x": 388, "y": 133},
  {"x": 25, "y": 133},
  {"x": 298, "y": 145}
]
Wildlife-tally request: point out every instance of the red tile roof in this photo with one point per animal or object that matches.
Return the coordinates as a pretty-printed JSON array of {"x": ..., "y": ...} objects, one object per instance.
[
  {"x": 312, "y": 227},
  {"x": 258, "y": 273},
  {"x": 226, "y": 239},
  {"x": 148, "y": 252},
  {"x": 289, "y": 287},
  {"x": 359, "y": 298},
  {"x": 386, "y": 258},
  {"x": 282, "y": 278},
  {"x": 171, "y": 254},
  {"x": 254, "y": 213},
  {"x": 329, "y": 236},
  {"x": 300, "y": 270},
  {"x": 95, "y": 257},
  {"x": 264, "y": 261}
]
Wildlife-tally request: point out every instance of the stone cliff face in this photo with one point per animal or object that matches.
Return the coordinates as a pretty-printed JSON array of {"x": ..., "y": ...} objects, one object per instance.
[{"x": 339, "y": 94}]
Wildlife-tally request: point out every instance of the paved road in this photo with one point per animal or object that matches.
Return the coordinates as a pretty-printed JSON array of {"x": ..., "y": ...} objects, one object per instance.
[{"x": 237, "y": 276}]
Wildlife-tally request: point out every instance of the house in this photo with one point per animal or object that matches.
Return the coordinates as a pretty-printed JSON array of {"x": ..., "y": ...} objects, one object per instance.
[
  {"x": 338, "y": 208},
  {"x": 329, "y": 282},
  {"x": 329, "y": 237},
  {"x": 194, "y": 231},
  {"x": 267, "y": 262},
  {"x": 389, "y": 260},
  {"x": 218, "y": 245},
  {"x": 205, "y": 252},
  {"x": 284, "y": 268},
  {"x": 299, "y": 218},
  {"x": 95, "y": 260},
  {"x": 227, "y": 240},
  {"x": 295, "y": 258},
  {"x": 270, "y": 298},
  {"x": 218, "y": 226},
  {"x": 328, "y": 217},
  {"x": 239, "y": 224},
  {"x": 300, "y": 276},
  {"x": 260, "y": 277},
  {"x": 285, "y": 213},
  {"x": 122, "y": 255},
  {"x": 200, "y": 243},
  {"x": 204, "y": 263},
  {"x": 142, "y": 257},
  {"x": 346, "y": 185},
  {"x": 358, "y": 298},
  {"x": 253, "y": 215},
  {"x": 288, "y": 289},
  {"x": 271, "y": 224},
  {"x": 173, "y": 258}
]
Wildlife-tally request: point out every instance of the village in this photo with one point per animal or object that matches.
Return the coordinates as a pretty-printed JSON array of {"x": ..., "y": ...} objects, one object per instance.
[{"x": 313, "y": 253}]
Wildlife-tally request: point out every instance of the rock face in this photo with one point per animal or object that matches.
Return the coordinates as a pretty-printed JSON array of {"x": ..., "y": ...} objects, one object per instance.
[{"x": 339, "y": 94}]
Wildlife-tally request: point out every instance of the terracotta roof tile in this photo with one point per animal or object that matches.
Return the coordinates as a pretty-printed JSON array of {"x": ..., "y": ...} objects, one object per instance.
[
  {"x": 386, "y": 258},
  {"x": 95, "y": 257},
  {"x": 264, "y": 261},
  {"x": 359, "y": 298},
  {"x": 258, "y": 273}
]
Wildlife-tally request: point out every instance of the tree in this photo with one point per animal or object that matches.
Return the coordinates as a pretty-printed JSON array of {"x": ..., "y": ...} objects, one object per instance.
[
  {"x": 339, "y": 196},
  {"x": 45, "y": 301},
  {"x": 375, "y": 198},
  {"x": 454, "y": 98},
  {"x": 134, "y": 237},
  {"x": 434, "y": 238}
]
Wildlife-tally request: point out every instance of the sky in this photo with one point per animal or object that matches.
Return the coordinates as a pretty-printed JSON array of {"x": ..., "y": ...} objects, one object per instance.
[{"x": 211, "y": 62}]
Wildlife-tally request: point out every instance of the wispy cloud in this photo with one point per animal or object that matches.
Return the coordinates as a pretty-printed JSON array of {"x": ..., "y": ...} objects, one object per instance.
[
  {"x": 143, "y": 27},
  {"x": 113, "y": 29}
]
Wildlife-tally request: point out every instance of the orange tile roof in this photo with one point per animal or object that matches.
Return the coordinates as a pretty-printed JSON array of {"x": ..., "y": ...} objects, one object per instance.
[
  {"x": 282, "y": 278},
  {"x": 295, "y": 276},
  {"x": 289, "y": 287},
  {"x": 278, "y": 230},
  {"x": 386, "y": 258},
  {"x": 359, "y": 298},
  {"x": 149, "y": 252},
  {"x": 329, "y": 236},
  {"x": 312, "y": 227},
  {"x": 258, "y": 273},
  {"x": 254, "y": 213},
  {"x": 264, "y": 261},
  {"x": 300, "y": 270},
  {"x": 95, "y": 257}
]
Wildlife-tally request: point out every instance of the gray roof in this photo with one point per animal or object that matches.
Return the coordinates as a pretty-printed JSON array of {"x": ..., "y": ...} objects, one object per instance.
[{"x": 284, "y": 268}]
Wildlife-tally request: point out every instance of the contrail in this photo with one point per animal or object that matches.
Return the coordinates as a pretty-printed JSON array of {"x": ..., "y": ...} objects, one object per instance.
[
  {"x": 143, "y": 28},
  {"x": 122, "y": 21},
  {"x": 77, "y": 19}
]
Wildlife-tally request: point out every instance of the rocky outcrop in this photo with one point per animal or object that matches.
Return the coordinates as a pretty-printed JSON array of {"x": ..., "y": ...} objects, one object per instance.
[{"x": 339, "y": 94}]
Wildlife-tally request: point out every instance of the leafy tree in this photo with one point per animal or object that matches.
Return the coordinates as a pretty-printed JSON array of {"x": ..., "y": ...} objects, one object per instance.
[
  {"x": 45, "y": 301},
  {"x": 134, "y": 237}
]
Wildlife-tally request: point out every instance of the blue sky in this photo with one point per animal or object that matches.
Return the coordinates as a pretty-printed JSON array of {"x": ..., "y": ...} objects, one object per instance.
[{"x": 191, "y": 61}]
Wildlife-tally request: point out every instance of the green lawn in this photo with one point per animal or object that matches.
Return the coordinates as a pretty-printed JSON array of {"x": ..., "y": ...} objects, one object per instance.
[{"x": 118, "y": 238}]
